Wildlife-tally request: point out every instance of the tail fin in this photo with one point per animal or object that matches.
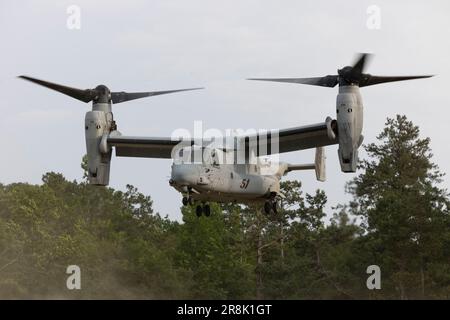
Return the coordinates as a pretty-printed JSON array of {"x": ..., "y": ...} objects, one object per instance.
[{"x": 318, "y": 165}]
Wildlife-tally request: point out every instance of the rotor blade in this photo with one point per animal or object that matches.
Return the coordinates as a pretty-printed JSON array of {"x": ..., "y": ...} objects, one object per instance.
[
  {"x": 118, "y": 97},
  {"x": 359, "y": 65},
  {"x": 327, "y": 81},
  {"x": 371, "y": 80},
  {"x": 83, "y": 95}
]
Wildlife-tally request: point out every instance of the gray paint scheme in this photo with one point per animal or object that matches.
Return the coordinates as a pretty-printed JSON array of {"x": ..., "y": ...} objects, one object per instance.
[{"x": 212, "y": 180}]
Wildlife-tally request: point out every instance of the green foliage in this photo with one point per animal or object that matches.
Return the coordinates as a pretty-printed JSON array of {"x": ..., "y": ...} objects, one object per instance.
[
  {"x": 207, "y": 248},
  {"x": 398, "y": 219},
  {"x": 114, "y": 237},
  {"x": 405, "y": 213}
]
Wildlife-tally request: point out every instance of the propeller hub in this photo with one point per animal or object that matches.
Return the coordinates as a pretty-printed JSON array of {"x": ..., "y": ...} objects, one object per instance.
[
  {"x": 349, "y": 76},
  {"x": 345, "y": 71},
  {"x": 103, "y": 95}
]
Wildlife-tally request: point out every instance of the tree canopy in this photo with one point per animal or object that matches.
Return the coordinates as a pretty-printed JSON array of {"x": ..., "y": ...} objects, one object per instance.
[{"x": 398, "y": 220}]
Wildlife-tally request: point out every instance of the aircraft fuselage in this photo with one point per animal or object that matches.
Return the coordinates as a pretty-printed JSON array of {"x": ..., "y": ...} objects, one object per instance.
[{"x": 224, "y": 183}]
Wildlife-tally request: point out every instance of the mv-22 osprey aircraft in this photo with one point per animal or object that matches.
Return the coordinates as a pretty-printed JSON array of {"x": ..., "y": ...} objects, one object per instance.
[{"x": 206, "y": 170}]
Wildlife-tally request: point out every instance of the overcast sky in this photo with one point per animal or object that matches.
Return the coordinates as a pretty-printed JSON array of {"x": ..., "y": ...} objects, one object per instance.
[{"x": 143, "y": 45}]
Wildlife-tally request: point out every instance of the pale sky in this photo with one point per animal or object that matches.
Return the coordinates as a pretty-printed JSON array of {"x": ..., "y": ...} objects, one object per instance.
[{"x": 143, "y": 45}]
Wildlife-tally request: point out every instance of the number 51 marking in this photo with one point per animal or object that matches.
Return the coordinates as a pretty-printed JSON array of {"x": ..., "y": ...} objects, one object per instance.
[{"x": 244, "y": 183}]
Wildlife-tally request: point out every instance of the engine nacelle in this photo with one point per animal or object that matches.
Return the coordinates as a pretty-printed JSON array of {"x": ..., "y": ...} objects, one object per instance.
[
  {"x": 97, "y": 127},
  {"x": 349, "y": 116}
]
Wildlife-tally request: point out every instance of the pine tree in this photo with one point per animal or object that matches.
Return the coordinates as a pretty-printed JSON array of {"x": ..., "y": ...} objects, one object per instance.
[{"x": 404, "y": 210}]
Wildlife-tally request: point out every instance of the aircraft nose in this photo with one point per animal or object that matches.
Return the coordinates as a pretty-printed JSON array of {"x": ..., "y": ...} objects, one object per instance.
[{"x": 183, "y": 175}]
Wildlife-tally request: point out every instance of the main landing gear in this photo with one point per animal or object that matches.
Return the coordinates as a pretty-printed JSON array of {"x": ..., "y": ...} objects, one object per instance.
[
  {"x": 199, "y": 209},
  {"x": 187, "y": 201},
  {"x": 271, "y": 205},
  {"x": 203, "y": 209}
]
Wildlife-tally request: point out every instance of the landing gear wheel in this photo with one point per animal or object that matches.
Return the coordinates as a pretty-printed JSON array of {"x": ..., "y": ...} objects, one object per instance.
[
  {"x": 199, "y": 211},
  {"x": 185, "y": 201},
  {"x": 190, "y": 200},
  {"x": 207, "y": 210},
  {"x": 275, "y": 207},
  {"x": 267, "y": 207}
]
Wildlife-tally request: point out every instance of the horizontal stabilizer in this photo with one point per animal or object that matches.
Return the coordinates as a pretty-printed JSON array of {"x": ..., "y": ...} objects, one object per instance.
[{"x": 318, "y": 165}]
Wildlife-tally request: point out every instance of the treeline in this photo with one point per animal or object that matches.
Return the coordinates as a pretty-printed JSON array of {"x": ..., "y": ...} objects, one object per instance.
[{"x": 398, "y": 220}]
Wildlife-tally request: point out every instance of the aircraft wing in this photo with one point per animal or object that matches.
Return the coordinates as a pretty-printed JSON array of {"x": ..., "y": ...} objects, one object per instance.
[
  {"x": 144, "y": 147},
  {"x": 284, "y": 140},
  {"x": 293, "y": 139}
]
